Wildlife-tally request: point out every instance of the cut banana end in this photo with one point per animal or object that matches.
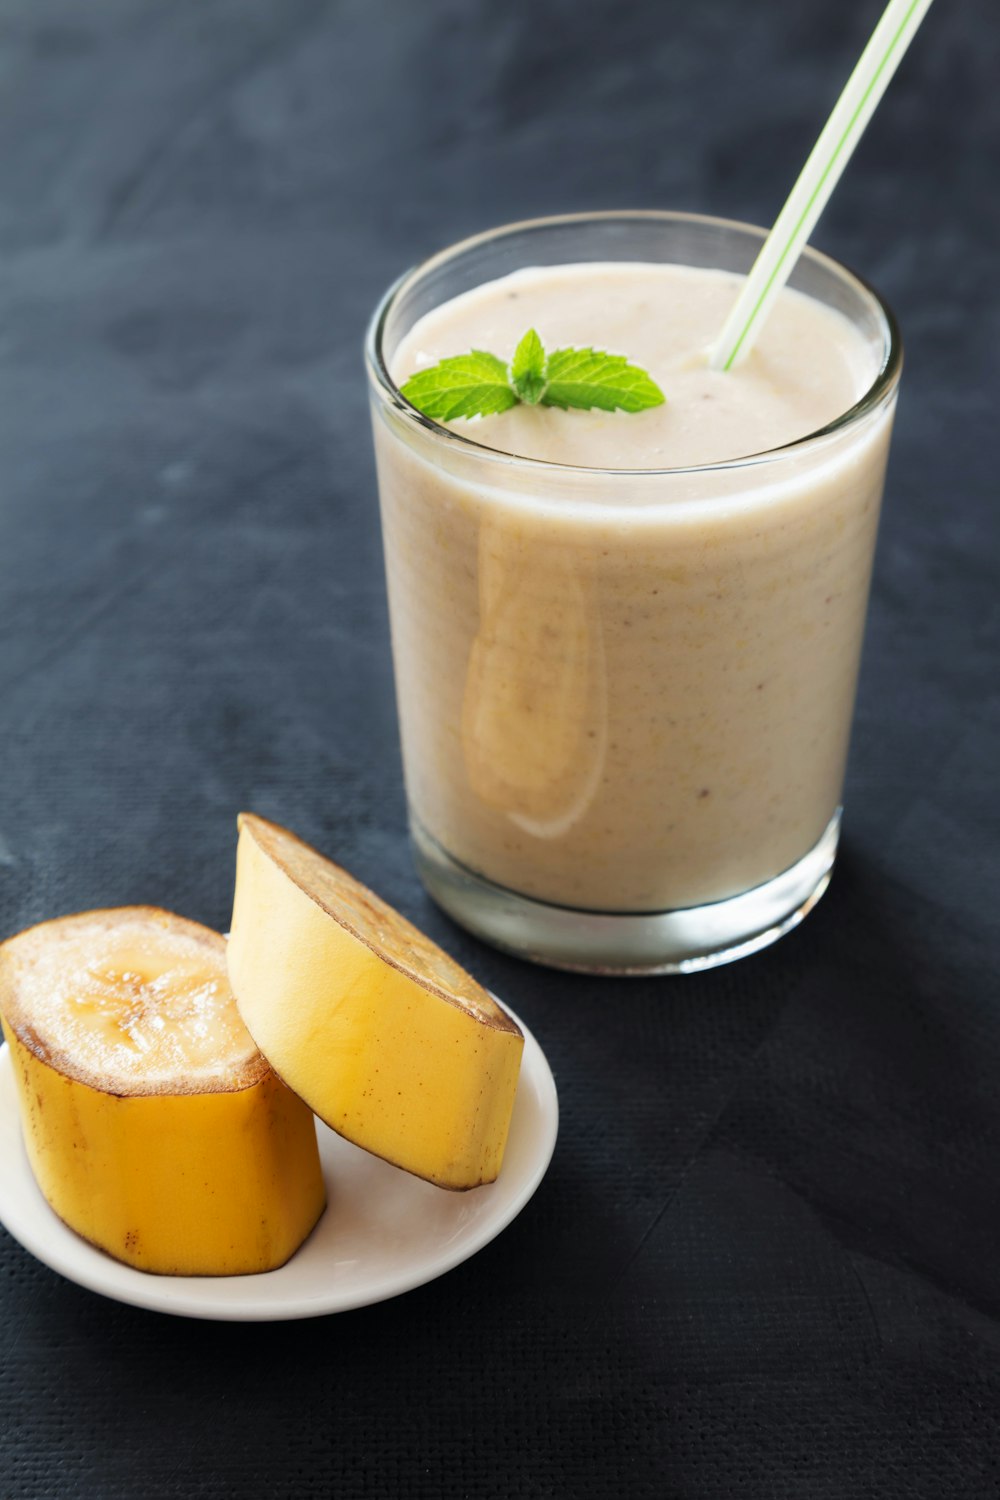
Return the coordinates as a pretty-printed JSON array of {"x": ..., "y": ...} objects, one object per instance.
[
  {"x": 153, "y": 1126},
  {"x": 383, "y": 1035}
]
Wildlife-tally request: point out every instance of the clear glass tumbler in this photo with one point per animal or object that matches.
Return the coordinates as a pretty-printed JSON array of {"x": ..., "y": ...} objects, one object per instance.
[{"x": 625, "y": 697}]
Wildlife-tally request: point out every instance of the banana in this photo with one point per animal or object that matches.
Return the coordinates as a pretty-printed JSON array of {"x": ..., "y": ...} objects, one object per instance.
[
  {"x": 153, "y": 1126},
  {"x": 383, "y": 1035}
]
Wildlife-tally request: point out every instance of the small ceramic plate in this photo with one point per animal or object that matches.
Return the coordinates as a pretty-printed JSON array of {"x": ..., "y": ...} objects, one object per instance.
[{"x": 384, "y": 1232}]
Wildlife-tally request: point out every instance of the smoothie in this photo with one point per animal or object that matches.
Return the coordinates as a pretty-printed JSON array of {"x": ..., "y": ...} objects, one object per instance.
[{"x": 631, "y": 691}]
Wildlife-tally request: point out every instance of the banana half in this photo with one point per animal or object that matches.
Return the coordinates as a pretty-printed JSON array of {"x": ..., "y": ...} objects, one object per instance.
[
  {"x": 383, "y": 1035},
  {"x": 153, "y": 1126}
]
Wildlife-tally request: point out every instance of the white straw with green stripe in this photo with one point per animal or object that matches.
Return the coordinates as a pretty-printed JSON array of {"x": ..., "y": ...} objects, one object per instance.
[{"x": 818, "y": 179}]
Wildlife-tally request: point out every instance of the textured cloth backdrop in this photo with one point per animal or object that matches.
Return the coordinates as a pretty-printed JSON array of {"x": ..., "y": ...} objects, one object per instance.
[{"x": 765, "y": 1260}]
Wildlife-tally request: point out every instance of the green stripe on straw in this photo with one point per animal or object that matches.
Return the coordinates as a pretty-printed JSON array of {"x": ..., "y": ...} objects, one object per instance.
[{"x": 818, "y": 178}]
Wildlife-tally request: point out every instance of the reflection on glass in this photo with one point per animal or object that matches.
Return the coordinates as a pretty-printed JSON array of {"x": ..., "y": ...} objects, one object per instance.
[{"x": 534, "y": 712}]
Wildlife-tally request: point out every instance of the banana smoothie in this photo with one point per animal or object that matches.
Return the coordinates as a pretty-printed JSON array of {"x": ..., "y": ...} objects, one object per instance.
[{"x": 626, "y": 645}]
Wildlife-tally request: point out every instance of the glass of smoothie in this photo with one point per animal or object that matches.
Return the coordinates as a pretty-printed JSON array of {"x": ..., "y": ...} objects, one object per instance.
[{"x": 626, "y": 645}]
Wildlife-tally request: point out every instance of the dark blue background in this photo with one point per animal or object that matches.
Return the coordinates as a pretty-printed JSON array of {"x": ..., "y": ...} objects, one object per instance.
[{"x": 765, "y": 1260}]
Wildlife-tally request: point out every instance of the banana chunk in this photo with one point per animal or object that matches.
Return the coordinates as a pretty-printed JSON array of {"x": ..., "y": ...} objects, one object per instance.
[
  {"x": 153, "y": 1126},
  {"x": 379, "y": 1031}
]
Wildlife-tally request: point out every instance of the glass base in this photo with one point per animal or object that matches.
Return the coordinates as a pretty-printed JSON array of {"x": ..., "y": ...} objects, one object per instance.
[{"x": 682, "y": 941}]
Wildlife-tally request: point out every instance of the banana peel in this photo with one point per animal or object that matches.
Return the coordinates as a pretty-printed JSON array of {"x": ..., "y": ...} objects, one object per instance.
[{"x": 382, "y": 1034}]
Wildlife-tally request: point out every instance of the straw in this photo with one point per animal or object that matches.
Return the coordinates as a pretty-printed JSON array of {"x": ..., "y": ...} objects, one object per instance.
[{"x": 818, "y": 178}]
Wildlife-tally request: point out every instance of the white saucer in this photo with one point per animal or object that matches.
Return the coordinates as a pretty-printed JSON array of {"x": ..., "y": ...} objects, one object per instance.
[{"x": 384, "y": 1232}]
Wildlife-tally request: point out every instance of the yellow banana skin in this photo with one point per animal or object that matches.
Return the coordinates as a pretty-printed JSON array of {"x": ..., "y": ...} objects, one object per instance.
[
  {"x": 382, "y": 1057},
  {"x": 211, "y": 1184}
]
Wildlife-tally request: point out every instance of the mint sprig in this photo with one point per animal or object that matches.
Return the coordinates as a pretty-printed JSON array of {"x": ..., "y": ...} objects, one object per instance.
[{"x": 481, "y": 385}]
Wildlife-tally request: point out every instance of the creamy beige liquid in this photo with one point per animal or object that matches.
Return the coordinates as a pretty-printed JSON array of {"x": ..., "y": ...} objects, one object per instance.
[{"x": 633, "y": 692}]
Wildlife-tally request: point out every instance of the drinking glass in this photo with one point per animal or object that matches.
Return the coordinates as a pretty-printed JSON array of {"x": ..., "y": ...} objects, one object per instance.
[{"x": 625, "y": 696}]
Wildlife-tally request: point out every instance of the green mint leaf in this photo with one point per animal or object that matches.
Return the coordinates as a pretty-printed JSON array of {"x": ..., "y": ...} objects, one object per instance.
[
  {"x": 468, "y": 385},
  {"x": 481, "y": 385},
  {"x": 527, "y": 369},
  {"x": 589, "y": 377}
]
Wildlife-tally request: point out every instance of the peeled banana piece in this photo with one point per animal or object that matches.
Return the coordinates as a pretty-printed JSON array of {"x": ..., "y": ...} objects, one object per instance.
[
  {"x": 383, "y": 1035},
  {"x": 154, "y": 1127}
]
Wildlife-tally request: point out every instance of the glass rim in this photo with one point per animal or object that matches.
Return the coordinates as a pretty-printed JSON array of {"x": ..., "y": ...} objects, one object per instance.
[{"x": 883, "y": 384}]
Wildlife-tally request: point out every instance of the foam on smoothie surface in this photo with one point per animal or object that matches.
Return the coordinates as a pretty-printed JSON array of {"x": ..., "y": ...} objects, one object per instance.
[{"x": 808, "y": 367}]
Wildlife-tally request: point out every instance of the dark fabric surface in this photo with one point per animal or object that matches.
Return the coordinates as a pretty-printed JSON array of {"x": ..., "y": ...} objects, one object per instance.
[{"x": 766, "y": 1259}]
